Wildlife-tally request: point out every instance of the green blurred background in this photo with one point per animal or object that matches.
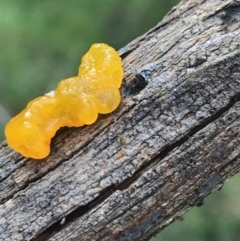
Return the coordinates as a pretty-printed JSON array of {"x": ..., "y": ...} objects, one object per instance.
[{"x": 42, "y": 42}]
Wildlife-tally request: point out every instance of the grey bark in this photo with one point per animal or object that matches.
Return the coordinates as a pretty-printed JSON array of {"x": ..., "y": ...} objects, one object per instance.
[{"x": 174, "y": 139}]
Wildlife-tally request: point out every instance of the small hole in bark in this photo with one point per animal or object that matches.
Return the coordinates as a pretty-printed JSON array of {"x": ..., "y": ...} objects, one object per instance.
[
  {"x": 132, "y": 190},
  {"x": 136, "y": 85},
  {"x": 191, "y": 160},
  {"x": 231, "y": 15}
]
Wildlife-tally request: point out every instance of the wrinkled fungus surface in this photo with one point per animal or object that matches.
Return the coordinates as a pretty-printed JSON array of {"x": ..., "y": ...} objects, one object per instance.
[{"x": 76, "y": 102}]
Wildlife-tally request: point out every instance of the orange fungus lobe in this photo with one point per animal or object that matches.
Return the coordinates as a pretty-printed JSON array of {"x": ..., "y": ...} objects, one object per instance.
[{"x": 76, "y": 102}]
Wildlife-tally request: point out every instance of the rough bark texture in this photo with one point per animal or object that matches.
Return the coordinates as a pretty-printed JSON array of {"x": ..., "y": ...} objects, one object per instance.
[{"x": 174, "y": 139}]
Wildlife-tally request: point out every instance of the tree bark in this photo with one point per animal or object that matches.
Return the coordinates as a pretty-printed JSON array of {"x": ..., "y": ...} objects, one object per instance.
[{"x": 174, "y": 139}]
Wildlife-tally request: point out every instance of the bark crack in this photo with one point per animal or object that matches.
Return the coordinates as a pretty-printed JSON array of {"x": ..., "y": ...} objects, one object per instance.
[{"x": 107, "y": 192}]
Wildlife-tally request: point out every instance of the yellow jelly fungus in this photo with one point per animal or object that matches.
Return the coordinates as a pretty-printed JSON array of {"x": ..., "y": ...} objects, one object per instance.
[{"x": 76, "y": 102}]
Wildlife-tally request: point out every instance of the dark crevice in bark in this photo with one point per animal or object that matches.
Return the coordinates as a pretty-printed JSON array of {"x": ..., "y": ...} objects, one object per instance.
[
  {"x": 137, "y": 85},
  {"x": 124, "y": 52},
  {"x": 63, "y": 159},
  {"x": 80, "y": 211},
  {"x": 230, "y": 14},
  {"x": 103, "y": 195}
]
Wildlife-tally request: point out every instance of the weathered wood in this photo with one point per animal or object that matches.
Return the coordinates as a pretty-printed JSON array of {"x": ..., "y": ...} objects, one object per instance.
[{"x": 174, "y": 139}]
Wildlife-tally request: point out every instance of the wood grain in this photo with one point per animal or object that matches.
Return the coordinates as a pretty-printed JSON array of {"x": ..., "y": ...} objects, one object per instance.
[{"x": 174, "y": 139}]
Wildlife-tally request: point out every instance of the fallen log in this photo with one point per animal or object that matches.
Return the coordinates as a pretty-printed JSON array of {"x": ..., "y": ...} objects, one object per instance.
[{"x": 173, "y": 141}]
